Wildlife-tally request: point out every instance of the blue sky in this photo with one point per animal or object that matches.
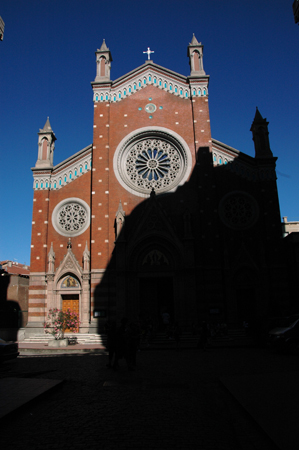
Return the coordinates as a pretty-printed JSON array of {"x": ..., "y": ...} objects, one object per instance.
[{"x": 48, "y": 61}]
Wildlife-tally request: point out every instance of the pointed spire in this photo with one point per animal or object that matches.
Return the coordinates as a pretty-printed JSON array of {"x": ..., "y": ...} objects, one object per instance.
[
  {"x": 104, "y": 59},
  {"x": 194, "y": 41},
  {"x": 195, "y": 54},
  {"x": 46, "y": 145},
  {"x": 153, "y": 193},
  {"x": 119, "y": 220},
  {"x": 104, "y": 47},
  {"x": 86, "y": 259},
  {"x": 258, "y": 116},
  {"x": 47, "y": 127},
  {"x": 260, "y": 136},
  {"x": 51, "y": 259},
  {"x": 120, "y": 209}
]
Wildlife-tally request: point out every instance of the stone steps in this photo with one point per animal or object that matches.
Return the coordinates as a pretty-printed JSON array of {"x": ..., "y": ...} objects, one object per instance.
[{"x": 81, "y": 338}]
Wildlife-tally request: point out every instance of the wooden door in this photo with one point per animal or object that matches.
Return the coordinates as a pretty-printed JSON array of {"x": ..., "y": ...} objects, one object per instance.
[{"x": 70, "y": 302}]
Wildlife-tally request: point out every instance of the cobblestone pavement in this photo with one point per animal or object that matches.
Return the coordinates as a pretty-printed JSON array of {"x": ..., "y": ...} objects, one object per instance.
[{"x": 174, "y": 400}]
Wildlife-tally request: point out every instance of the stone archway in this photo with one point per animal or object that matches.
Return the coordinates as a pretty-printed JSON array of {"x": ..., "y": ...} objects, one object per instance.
[{"x": 156, "y": 295}]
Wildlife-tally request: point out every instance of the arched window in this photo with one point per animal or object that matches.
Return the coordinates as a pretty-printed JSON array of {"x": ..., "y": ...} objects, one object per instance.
[
  {"x": 196, "y": 64},
  {"x": 102, "y": 66},
  {"x": 44, "y": 149}
]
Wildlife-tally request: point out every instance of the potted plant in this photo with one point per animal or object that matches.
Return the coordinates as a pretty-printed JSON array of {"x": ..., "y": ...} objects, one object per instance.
[{"x": 57, "y": 323}]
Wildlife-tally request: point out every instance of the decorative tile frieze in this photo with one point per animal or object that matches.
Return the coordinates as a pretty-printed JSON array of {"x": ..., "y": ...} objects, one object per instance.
[
  {"x": 116, "y": 92},
  {"x": 63, "y": 174}
]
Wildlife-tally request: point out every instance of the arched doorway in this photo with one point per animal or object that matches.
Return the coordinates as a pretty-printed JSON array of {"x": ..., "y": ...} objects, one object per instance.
[
  {"x": 69, "y": 291},
  {"x": 156, "y": 297},
  {"x": 155, "y": 284},
  {"x": 245, "y": 282}
]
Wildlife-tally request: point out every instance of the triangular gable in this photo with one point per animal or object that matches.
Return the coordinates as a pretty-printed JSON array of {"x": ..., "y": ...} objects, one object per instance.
[
  {"x": 152, "y": 222},
  {"x": 150, "y": 74},
  {"x": 69, "y": 264}
]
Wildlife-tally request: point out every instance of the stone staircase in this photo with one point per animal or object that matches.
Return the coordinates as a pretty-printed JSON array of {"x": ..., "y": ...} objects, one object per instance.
[
  {"x": 234, "y": 338},
  {"x": 79, "y": 338}
]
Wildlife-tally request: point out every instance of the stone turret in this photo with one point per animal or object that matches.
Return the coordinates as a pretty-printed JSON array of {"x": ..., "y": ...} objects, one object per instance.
[
  {"x": 46, "y": 145},
  {"x": 195, "y": 53},
  {"x": 104, "y": 59},
  {"x": 260, "y": 136}
]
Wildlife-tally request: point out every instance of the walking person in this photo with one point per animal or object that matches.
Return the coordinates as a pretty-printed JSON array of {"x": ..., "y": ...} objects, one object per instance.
[
  {"x": 120, "y": 350},
  {"x": 110, "y": 329}
]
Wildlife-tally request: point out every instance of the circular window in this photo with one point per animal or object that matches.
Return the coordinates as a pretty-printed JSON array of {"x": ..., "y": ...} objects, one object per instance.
[
  {"x": 238, "y": 210},
  {"x": 152, "y": 160},
  {"x": 71, "y": 217},
  {"x": 150, "y": 108}
]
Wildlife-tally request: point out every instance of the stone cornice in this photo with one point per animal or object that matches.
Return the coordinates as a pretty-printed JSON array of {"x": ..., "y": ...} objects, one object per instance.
[
  {"x": 65, "y": 172},
  {"x": 150, "y": 74}
]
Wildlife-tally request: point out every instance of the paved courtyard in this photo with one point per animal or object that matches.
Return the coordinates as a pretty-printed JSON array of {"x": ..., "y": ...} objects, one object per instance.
[{"x": 173, "y": 400}]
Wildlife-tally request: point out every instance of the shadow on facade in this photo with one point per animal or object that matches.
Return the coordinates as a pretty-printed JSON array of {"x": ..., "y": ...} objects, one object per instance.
[
  {"x": 212, "y": 250},
  {"x": 10, "y": 311}
]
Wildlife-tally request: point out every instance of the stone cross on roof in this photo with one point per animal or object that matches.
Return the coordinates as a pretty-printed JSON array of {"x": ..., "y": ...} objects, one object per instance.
[{"x": 149, "y": 51}]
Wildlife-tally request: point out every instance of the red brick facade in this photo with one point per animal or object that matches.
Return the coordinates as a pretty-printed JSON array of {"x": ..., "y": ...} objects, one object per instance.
[{"x": 109, "y": 269}]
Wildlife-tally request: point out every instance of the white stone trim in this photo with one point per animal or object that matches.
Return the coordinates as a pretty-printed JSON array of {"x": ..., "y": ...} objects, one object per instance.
[
  {"x": 62, "y": 177},
  {"x": 147, "y": 78},
  {"x": 160, "y": 132},
  {"x": 62, "y": 204}
]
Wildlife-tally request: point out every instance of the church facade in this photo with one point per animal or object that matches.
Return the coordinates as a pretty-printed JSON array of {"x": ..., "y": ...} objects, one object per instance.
[{"x": 155, "y": 215}]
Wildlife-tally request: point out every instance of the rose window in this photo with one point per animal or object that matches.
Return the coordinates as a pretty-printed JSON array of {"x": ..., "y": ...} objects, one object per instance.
[
  {"x": 71, "y": 217},
  {"x": 153, "y": 163},
  {"x": 152, "y": 158},
  {"x": 238, "y": 210}
]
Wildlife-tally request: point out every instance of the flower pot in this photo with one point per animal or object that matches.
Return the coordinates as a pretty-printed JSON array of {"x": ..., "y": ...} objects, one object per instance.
[{"x": 57, "y": 343}]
